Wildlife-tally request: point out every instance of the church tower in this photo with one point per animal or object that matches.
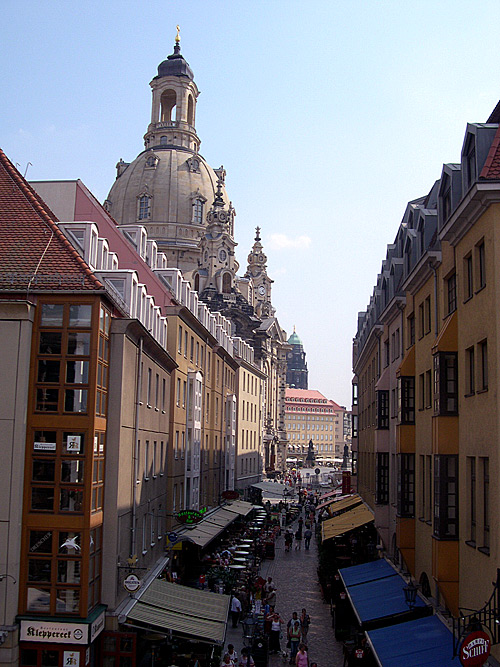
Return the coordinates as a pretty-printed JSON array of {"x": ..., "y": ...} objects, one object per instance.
[
  {"x": 296, "y": 371},
  {"x": 169, "y": 186},
  {"x": 257, "y": 272}
]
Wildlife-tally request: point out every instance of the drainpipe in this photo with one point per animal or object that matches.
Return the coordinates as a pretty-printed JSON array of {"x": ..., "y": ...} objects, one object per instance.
[
  {"x": 135, "y": 477},
  {"x": 434, "y": 270}
]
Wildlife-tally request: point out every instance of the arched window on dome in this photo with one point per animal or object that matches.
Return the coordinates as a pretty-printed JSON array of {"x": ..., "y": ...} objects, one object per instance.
[
  {"x": 168, "y": 103},
  {"x": 226, "y": 283},
  {"x": 190, "y": 117},
  {"x": 198, "y": 211},
  {"x": 163, "y": 141},
  {"x": 144, "y": 207}
]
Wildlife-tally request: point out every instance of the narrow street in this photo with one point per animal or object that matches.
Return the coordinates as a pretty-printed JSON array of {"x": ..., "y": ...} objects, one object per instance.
[{"x": 294, "y": 575}]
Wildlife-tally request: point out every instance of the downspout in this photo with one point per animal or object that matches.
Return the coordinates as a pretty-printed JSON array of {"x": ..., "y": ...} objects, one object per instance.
[
  {"x": 133, "y": 532},
  {"x": 434, "y": 270}
]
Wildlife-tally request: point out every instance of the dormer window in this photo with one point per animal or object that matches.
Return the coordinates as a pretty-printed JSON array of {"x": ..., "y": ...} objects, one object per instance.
[
  {"x": 151, "y": 162},
  {"x": 470, "y": 161},
  {"x": 144, "y": 210}
]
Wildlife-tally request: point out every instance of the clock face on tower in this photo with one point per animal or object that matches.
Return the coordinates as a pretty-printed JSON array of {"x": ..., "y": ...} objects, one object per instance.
[{"x": 262, "y": 290}]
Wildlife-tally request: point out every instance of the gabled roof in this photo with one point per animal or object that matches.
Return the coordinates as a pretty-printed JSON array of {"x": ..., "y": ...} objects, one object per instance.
[
  {"x": 34, "y": 254},
  {"x": 491, "y": 167}
]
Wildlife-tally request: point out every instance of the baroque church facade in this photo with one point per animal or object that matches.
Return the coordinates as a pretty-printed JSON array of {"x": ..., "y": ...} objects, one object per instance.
[{"x": 182, "y": 202}]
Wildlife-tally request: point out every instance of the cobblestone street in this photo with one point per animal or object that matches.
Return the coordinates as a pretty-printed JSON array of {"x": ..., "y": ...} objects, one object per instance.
[{"x": 295, "y": 577}]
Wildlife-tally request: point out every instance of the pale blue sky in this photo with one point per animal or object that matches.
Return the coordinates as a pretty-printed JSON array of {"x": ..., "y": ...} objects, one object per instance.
[{"x": 328, "y": 117}]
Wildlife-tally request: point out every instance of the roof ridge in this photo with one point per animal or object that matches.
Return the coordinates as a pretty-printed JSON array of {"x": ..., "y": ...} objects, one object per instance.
[{"x": 41, "y": 209}]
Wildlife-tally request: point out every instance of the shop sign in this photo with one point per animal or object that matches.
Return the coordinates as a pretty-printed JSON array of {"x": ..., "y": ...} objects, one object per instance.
[
  {"x": 132, "y": 583},
  {"x": 71, "y": 658},
  {"x": 190, "y": 517},
  {"x": 55, "y": 633},
  {"x": 97, "y": 626},
  {"x": 475, "y": 649},
  {"x": 44, "y": 446},
  {"x": 73, "y": 443}
]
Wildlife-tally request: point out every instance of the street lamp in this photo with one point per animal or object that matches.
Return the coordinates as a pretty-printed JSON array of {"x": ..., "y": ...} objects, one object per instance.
[{"x": 410, "y": 591}]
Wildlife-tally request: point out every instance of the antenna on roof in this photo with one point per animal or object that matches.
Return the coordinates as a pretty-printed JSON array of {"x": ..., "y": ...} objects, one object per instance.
[{"x": 26, "y": 170}]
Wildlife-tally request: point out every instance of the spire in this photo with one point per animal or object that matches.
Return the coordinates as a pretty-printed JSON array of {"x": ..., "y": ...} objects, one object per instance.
[
  {"x": 218, "y": 201},
  {"x": 177, "y": 45},
  {"x": 257, "y": 233}
]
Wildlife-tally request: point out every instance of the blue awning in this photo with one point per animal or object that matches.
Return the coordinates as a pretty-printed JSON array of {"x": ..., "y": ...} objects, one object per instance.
[
  {"x": 376, "y": 594},
  {"x": 359, "y": 574},
  {"x": 425, "y": 641}
]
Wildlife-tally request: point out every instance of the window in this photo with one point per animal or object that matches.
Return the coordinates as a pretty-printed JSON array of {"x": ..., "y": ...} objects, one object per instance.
[
  {"x": 445, "y": 383},
  {"x": 421, "y": 392},
  {"x": 468, "y": 277},
  {"x": 486, "y": 505},
  {"x": 481, "y": 268},
  {"x": 355, "y": 394},
  {"x": 382, "y": 409},
  {"x": 428, "y": 389},
  {"x": 483, "y": 358},
  {"x": 470, "y": 162},
  {"x": 446, "y": 496},
  {"x": 411, "y": 330},
  {"x": 427, "y": 315},
  {"x": 406, "y": 394},
  {"x": 382, "y": 478},
  {"x": 148, "y": 395},
  {"x": 179, "y": 348},
  {"x": 198, "y": 211},
  {"x": 406, "y": 485},
  {"x": 144, "y": 212},
  {"x": 451, "y": 285},
  {"x": 470, "y": 371}
]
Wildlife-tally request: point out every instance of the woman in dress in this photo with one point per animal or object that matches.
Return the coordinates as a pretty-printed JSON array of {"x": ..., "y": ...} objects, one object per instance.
[{"x": 301, "y": 659}]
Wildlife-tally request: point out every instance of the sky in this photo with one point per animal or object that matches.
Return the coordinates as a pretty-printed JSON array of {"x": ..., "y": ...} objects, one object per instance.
[{"x": 328, "y": 116}]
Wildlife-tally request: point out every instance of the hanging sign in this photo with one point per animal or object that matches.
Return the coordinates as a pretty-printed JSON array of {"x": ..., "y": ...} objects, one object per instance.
[
  {"x": 131, "y": 583},
  {"x": 475, "y": 649}
]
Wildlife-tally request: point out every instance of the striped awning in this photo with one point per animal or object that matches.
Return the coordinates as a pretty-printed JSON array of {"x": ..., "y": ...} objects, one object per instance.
[
  {"x": 208, "y": 528},
  {"x": 183, "y": 610},
  {"x": 354, "y": 518},
  {"x": 239, "y": 507}
]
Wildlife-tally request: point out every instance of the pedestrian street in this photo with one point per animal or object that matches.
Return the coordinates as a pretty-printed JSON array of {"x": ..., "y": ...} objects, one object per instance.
[{"x": 294, "y": 574}]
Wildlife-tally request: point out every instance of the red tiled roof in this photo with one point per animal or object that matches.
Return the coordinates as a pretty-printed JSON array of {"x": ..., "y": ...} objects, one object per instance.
[
  {"x": 491, "y": 167},
  {"x": 34, "y": 254},
  {"x": 308, "y": 395}
]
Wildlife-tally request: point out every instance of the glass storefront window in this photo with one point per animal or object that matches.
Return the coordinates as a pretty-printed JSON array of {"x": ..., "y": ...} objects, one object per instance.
[
  {"x": 68, "y": 571},
  {"x": 40, "y": 542},
  {"x": 42, "y": 498},
  {"x": 71, "y": 500},
  {"x": 78, "y": 343},
  {"x": 38, "y": 599},
  {"x": 68, "y": 600},
  {"x": 43, "y": 470},
  {"x": 39, "y": 570},
  {"x": 72, "y": 472},
  {"x": 52, "y": 315},
  {"x": 46, "y": 400},
  {"x": 75, "y": 400},
  {"x": 80, "y": 315},
  {"x": 50, "y": 342},
  {"x": 77, "y": 372}
]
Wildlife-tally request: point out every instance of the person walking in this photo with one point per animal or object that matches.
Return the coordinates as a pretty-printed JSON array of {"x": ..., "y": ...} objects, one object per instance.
[
  {"x": 307, "y": 538},
  {"x": 293, "y": 634},
  {"x": 305, "y": 622},
  {"x": 232, "y": 653},
  {"x": 246, "y": 659},
  {"x": 301, "y": 659},
  {"x": 235, "y": 610},
  {"x": 298, "y": 538},
  {"x": 274, "y": 634}
]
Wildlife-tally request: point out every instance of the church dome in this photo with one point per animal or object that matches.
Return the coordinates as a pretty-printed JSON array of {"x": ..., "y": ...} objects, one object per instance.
[{"x": 175, "y": 65}]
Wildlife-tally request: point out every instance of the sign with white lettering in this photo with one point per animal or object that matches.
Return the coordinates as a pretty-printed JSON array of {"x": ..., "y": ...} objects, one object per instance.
[
  {"x": 55, "y": 633},
  {"x": 132, "y": 583},
  {"x": 475, "y": 649},
  {"x": 97, "y": 627}
]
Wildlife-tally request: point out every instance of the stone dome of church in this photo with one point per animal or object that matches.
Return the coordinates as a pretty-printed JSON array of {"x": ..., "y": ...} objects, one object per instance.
[
  {"x": 175, "y": 65},
  {"x": 294, "y": 339}
]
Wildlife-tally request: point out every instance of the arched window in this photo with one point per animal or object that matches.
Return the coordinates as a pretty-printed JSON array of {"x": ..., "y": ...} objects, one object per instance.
[
  {"x": 190, "y": 117},
  {"x": 197, "y": 282},
  {"x": 226, "y": 283},
  {"x": 151, "y": 161},
  {"x": 168, "y": 102},
  {"x": 163, "y": 141},
  {"x": 198, "y": 211},
  {"x": 144, "y": 207}
]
